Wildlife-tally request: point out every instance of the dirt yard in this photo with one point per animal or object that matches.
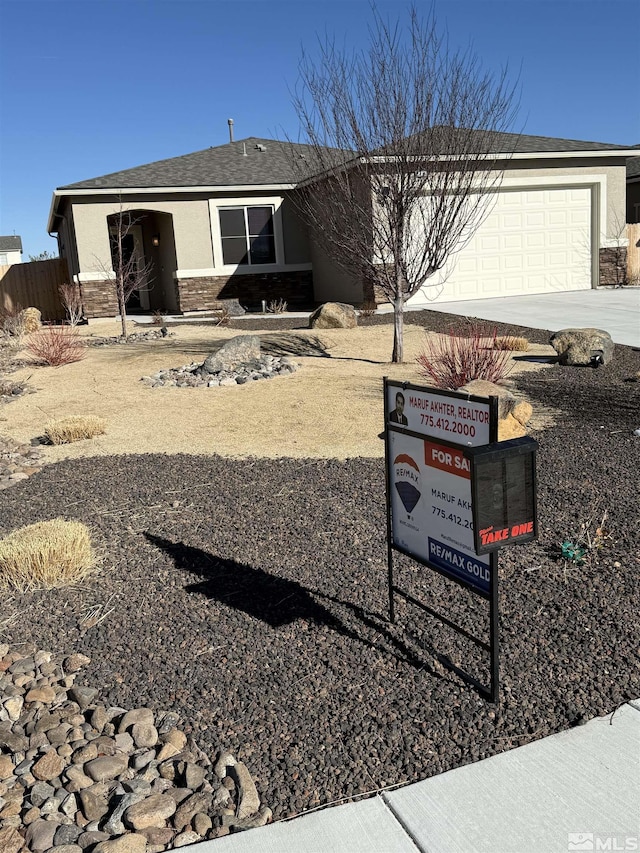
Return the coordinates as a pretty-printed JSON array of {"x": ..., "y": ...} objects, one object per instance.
[{"x": 330, "y": 408}]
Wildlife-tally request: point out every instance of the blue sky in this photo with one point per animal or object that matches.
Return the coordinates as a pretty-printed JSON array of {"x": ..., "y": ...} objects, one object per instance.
[{"x": 95, "y": 86}]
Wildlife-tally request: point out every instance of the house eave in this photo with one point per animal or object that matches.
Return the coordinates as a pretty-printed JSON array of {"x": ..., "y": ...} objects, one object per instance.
[
  {"x": 61, "y": 193},
  {"x": 621, "y": 153}
]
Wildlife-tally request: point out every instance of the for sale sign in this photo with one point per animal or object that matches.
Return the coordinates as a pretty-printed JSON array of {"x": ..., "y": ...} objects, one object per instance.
[{"x": 429, "y": 478}]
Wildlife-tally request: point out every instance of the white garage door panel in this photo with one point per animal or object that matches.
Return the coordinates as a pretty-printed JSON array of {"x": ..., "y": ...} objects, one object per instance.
[{"x": 533, "y": 241}]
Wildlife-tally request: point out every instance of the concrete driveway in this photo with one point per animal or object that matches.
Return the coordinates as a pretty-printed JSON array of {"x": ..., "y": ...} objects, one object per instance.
[{"x": 617, "y": 311}]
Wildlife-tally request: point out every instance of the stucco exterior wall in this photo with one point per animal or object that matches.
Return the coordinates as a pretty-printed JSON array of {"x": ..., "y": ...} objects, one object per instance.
[
  {"x": 190, "y": 224},
  {"x": 296, "y": 240},
  {"x": 331, "y": 283}
]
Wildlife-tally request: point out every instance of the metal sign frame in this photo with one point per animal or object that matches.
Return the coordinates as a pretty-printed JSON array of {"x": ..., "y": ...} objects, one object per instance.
[{"x": 493, "y": 647}]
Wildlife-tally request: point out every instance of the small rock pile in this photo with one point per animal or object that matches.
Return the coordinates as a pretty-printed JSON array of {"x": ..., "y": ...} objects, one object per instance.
[
  {"x": 78, "y": 776},
  {"x": 195, "y": 376},
  {"x": 11, "y": 390},
  {"x": 17, "y": 461},
  {"x": 151, "y": 335}
]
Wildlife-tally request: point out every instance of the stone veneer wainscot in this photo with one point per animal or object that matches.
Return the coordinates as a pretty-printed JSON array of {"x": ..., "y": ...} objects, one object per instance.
[{"x": 205, "y": 293}]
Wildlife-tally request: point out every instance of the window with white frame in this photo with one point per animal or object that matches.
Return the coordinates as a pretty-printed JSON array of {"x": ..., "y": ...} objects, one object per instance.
[
  {"x": 247, "y": 235},
  {"x": 3, "y": 260}
]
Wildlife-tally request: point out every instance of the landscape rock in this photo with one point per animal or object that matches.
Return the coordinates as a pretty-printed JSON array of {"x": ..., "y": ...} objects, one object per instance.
[
  {"x": 582, "y": 346},
  {"x": 16, "y": 458},
  {"x": 153, "y": 811},
  {"x": 11, "y": 841},
  {"x": 39, "y": 835},
  {"x": 137, "y": 715},
  {"x": 145, "y": 735},
  {"x": 248, "y": 799},
  {"x": 32, "y": 320},
  {"x": 130, "y": 843},
  {"x": 49, "y": 766},
  {"x": 238, "y": 350},
  {"x": 513, "y": 414},
  {"x": 334, "y": 315},
  {"x": 187, "y": 810},
  {"x": 6, "y": 767},
  {"x": 185, "y": 838},
  {"x": 106, "y": 767},
  {"x": 91, "y": 787}
]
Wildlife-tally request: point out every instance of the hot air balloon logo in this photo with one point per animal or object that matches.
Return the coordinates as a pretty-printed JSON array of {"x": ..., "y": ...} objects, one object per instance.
[{"x": 407, "y": 481}]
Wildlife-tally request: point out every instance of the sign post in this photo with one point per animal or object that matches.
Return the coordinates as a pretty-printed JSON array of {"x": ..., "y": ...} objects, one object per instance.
[{"x": 455, "y": 494}]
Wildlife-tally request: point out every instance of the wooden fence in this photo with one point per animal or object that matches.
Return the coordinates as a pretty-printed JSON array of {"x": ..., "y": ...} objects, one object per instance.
[
  {"x": 34, "y": 285},
  {"x": 633, "y": 254}
]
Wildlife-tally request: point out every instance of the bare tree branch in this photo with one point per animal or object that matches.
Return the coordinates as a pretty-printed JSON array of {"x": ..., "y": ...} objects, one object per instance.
[{"x": 406, "y": 146}]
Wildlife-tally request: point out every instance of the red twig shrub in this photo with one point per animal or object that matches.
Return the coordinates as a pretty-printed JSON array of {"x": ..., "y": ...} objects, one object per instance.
[
  {"x": 450, "y": 361},
  {"x": 56, "y": 345}
]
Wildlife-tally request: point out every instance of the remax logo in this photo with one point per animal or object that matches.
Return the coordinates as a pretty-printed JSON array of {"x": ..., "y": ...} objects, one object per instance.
[{"x": 407, "y": 481}]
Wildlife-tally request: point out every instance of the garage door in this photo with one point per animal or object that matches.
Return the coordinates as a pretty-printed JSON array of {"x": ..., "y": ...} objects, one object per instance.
[{"x": 533, "y": 241}]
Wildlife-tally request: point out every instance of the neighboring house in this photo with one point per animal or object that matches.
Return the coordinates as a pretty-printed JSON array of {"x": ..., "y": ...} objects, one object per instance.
[
  {"x": 10, "y": 251},
  {"x": 633, "y": 189},
  {"x": 222, "y": 223}
]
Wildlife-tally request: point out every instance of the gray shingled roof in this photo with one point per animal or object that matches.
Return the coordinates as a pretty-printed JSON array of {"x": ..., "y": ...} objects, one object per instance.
[
  {"x": 226, "y": 165},
  {"x": 10, "y": 244},
  {"x": 633, "y": 165},
  {"x": 229, "y": 165},
  {"x": 523, "y": 144}
]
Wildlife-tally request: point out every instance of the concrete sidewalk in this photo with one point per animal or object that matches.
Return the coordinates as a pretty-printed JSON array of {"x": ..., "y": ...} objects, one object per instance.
[
  {"x": 576, "y": 790},
  {"x": 616, "y": 310}
]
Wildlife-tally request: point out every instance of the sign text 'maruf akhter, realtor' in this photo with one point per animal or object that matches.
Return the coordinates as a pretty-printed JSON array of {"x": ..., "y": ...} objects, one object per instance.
[{"x": 433, "y": 476}]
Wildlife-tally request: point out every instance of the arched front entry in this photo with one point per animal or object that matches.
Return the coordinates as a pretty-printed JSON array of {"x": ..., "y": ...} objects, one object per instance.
[{"x": 142, "y": 243}]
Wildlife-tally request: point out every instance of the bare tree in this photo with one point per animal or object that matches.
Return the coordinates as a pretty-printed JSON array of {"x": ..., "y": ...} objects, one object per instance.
[
  {"x": 129, "y": 272},
  {"x": 406, "y": 147}
]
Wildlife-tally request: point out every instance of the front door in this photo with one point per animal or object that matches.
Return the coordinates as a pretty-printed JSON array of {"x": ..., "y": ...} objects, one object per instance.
[{"x": 132, "y": 248}]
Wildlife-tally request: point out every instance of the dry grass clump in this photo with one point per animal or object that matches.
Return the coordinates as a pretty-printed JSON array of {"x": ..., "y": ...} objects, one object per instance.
[
  {"x": 46, "y": 555},
  {"x": 74, "y": 428},
  {"x": 513, "y": 343}
]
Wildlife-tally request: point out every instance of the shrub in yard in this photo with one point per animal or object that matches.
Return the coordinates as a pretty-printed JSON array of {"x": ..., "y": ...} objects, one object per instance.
[
  {"x": 72, "y": 301},
  {"x": 74, "y": 428},
  {"x": 12, "y": 322},
  {"x": 46, "y": 555},
  {"x": 277, "y": 306},
  {"x": 450, "y": 361},
  {"x": 511, "y": 342},
  {"x": 57, "y": 345}
]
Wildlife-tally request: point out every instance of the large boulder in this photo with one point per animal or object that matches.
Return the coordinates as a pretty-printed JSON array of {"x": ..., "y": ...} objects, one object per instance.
[
  {"x": 232, "y": 307},
  {"x": 334, "y": 315},
  {"x": 238, "y": 350},
  {"x": 582, "y": 346},
  {"x": 513, "y": 414}
]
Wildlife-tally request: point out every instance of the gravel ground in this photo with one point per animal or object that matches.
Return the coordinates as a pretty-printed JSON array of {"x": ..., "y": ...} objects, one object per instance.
[{"x": 250, "y": 596}]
